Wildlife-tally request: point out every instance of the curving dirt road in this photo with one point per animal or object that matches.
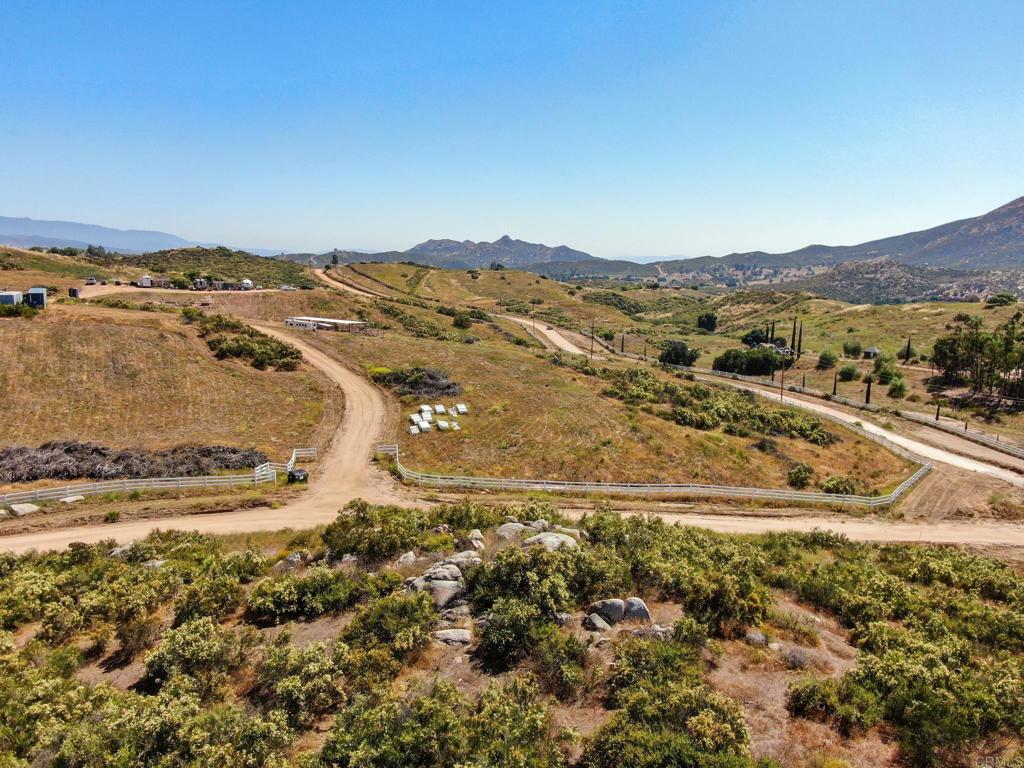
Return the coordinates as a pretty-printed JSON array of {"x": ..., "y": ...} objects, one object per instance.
[
  {"x": 334, "y": 282},
  {"x": 345, "y": 472}
]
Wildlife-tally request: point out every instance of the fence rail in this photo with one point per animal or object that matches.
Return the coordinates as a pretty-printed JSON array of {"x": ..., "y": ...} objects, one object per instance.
[
  {"x": 662, "y": 489},
  {"x": 264, "y": 473}
]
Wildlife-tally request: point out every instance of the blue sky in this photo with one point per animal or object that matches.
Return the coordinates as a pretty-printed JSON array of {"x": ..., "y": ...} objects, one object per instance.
[{"x": 638, "y": 129}]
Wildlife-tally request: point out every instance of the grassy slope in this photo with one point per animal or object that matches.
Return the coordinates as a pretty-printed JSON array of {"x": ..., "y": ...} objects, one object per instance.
[
  {"x": 533, "y": 419},
  {"x": 125, "y": 378},
  {"x": 21, "y": 269}
]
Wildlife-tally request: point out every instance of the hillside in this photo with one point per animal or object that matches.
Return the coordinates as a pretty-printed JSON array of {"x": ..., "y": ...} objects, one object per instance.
[
  {"x": 456, "y": 254},
  {"x": 884, "y": 281},
  {"x": 126, "y": 378},
  {"x": 218, "y": 263},
  {"x": 508, "y": 636}
]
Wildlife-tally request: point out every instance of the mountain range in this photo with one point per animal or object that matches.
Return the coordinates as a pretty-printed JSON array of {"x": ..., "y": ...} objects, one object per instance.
[
  {"x": 29, "y": 233},
  {"x": 992, "y": 241}
]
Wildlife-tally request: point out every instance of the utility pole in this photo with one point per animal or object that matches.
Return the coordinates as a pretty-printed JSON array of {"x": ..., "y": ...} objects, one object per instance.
[
  {"x": 867, "y": 394},
  {"x": 803, "y": 384},
  {"x": 835, "y": 382},
  {"x": 782, "y": 382}
]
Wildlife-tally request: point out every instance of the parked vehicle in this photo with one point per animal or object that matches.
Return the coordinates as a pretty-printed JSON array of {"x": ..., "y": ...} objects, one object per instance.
[
  {"x": 298, "y": 476},
  {"x": 90, "y": 281}
]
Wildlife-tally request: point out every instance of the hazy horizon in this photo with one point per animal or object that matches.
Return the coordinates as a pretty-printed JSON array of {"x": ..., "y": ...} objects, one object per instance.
[{"x": 627, "y": 131}]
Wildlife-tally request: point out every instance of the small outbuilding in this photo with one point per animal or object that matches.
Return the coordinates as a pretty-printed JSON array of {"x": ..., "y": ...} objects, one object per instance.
[
  {"x": 36, "y": 297},
  {"x": 11, "y": 297},
  {"x": 871, "y": 353}
]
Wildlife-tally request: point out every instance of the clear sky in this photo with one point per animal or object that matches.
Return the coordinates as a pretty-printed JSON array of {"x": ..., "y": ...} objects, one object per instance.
[{"x": 623, "y": 129}]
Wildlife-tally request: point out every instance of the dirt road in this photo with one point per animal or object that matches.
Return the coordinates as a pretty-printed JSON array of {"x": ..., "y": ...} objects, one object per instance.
[
  {"x": 344, "y": 286},
  {"x": 345, "y": 472}
]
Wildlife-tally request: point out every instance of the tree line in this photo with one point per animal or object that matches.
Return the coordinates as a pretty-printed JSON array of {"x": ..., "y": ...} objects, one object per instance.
[{"x": 987, "y": 360}]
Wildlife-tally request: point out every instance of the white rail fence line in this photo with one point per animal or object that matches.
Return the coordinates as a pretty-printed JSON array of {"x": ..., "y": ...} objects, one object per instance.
[
  {"x": 670, "y": 489},
  {"x": 264, "y": 473}
]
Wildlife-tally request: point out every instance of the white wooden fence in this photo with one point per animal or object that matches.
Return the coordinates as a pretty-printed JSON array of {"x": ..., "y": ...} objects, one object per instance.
[
  {"x": 643, "y": 489},
  {"x": 264, "y": 473}
]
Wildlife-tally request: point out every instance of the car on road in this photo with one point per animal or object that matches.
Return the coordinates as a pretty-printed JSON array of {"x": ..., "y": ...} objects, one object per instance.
[
  {"x": 550, "y": 328},
  {"x": 90, "y": 281},
  {"x": 298, "y": 476}
]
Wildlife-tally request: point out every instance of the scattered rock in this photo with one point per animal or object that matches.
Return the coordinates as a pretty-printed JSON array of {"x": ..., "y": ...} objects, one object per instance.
[
  {"x": 442, "y": 528},
  {"x": 563, "y": 619},
  {"x": 511, "y": 519},
  {"x": 611, "y": 610},
  {"x": 756, "y": 638},
  {"x": 442, "y": 572},
  {"x": 407, "y": 559},
  {"x": 477, "y": 545},
  {"x": 154, "y": 564},
  {"x": 595, "y": 623},
  {"x": 349, "y": 559},
  {"x": 119, "y": 551},
  {"x": 551, "y": 541},
  {"x": 456, "y": 612},
  {"x": 656, "y": 631},
  {"x": 475, "y": 535},
  {"x": 467, "y": 556},
  {"x": 510, "y": 531},
  {"x": 290, "y": 563},
  {"x": 774, "y": 646},
  {"x": 636, "y": 610},
  {"x": 539, "y": 525},
  {"x": 454, "y": 636},
  {"x": 71, "y": 499},
  {"x": 576, "y": 533},
  {"x": 20, "y": 510}
]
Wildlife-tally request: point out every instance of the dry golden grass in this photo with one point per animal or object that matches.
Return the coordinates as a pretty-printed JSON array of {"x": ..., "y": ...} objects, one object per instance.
[
  {"x": 127, "y": 378},
  {"x": 532, "y": 419}
]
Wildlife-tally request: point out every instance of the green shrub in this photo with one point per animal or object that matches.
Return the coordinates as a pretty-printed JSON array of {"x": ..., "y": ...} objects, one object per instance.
[
  {"x": 199, "y": 649},
  {"x": 678, "y": 353},
  {"x": 511, "y": 630},
  {"x": 826, "y": 360},
  {"x": 837, "y": 484},
  {"x": 560, "y": 661},
  {"x": 852, "y": 349},
  {"x": 373, "y": 532},
  {"x": 303, "y": 682},
  {"x": 800, "y": 475},
  {"x": 320, "y": 590},
  {"x": 397, "y": 623},
  {"x": 759, "y": 361},
  {"x": 898, "y": 388},
  {"x": 848, "y": 373}
]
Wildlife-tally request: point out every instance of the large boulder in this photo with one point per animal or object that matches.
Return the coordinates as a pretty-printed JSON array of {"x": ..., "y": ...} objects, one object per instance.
[
  {"x": 510, "y": 531},
  {"x": 72, "y": 499},
  {"x": 290, "y": 563},
  {"x": 539, "y": 525},
  {"x": 636, "y": 610},
  {"x": 454, "y": 636},
  {"x": 611, "y": 610},
  {"x": 443, "y": 572},
  {"x": 595, "y": 623},
  {"x": 20, "y": 510},
  {"x": 551, "y": 541},
  {"x": 463, "y": 560},
  {"x": 441, "y": 592},
  {"x": 475, "y": 535}
]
